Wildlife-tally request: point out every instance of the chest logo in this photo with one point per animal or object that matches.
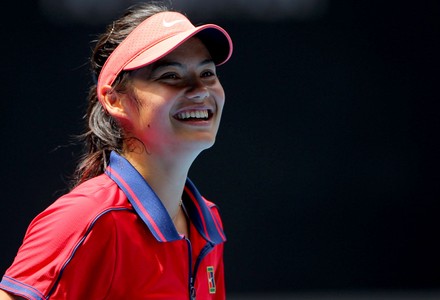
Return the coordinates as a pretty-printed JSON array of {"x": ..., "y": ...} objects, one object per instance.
[{"x": 211, "y": 279}]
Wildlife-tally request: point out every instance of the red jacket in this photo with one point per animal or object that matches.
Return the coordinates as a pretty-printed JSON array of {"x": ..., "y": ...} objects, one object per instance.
[{"x": 111, "y": 238}]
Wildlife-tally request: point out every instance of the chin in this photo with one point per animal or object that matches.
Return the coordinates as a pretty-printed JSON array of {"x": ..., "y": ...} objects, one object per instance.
[{"x": 201, "y": 144}]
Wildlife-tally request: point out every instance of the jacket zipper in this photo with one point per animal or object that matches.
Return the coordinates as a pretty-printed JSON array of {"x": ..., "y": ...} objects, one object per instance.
[
  {"x": 192, "y": 274},
  {"x": 208, "y": 247},
  {"x": 192, "y": 290}
]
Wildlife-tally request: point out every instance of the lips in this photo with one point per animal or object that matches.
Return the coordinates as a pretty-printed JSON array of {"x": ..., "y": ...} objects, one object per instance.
[{"x": 191, "y": 115}]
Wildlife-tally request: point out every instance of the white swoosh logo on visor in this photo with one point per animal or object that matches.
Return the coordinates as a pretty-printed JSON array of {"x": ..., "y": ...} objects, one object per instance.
[{"x": 170, "y": 24}]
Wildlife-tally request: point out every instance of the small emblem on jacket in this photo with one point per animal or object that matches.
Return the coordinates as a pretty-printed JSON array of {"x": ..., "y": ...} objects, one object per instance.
[{"x": 211, "y": 279}]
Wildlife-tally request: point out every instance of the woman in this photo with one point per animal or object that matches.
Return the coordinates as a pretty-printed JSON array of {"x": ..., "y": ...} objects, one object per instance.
[{"x": 134, "y": 226}]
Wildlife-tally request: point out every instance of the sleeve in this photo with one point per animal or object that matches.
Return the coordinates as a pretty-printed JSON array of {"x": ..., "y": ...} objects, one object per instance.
[{"x": 50, "y": 245}]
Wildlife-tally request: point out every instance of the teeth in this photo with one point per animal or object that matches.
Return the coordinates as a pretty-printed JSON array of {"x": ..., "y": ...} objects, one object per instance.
[{"x": 198, "y": 114}]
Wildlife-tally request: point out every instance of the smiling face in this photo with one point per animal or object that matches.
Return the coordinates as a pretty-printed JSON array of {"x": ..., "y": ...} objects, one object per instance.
[{"x": 179, "y": 101}]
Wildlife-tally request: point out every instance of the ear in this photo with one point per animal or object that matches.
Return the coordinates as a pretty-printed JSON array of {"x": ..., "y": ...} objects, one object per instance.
[{"x": 112, "y": 103}]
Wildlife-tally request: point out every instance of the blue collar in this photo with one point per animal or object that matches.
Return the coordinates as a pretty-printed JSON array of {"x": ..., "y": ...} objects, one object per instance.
[{"x": 151, "y": 210}]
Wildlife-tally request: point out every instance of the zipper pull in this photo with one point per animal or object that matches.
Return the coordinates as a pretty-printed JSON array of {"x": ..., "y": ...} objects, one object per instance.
[{"x": 192, "y": 290}]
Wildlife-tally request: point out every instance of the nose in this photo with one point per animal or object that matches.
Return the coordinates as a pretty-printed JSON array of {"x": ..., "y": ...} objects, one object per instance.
[{"x": 197, "y": 92}]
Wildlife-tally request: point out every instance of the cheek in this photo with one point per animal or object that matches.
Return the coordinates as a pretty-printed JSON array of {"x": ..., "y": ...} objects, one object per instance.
[
  {"x": 154, "y": 117},
  {"x": 220, "y": 97},
  {"x": 132, "y": 117}
]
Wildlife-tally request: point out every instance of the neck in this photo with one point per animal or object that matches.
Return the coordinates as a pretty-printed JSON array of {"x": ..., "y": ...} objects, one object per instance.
[{"x": 166, "y": 177}]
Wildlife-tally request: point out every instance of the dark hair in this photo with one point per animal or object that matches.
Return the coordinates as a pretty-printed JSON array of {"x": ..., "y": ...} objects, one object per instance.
[{"x": 103, "y": 134}]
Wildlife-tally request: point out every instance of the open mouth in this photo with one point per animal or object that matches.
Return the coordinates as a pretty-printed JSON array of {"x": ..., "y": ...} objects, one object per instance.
[{"x": 194, "y": 115}]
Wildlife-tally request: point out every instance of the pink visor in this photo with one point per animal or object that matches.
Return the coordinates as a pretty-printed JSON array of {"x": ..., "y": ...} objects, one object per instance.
[{"x": 156, "y": 37}]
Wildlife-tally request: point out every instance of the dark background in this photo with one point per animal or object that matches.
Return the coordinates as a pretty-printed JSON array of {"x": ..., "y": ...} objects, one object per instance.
[{"x": 326, "y": 165}]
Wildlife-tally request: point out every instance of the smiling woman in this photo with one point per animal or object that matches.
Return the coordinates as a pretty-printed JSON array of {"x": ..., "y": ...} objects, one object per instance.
[
  {"x": 134, "y": 226},
  {"x": 154, "y": 110},
  {"x": 172, "y": 97}
]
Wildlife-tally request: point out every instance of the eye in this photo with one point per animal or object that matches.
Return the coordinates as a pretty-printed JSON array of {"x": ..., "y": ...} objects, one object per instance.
[
  {"x": 169, "y": 75},
  {"x": 208, "y": 73}
]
